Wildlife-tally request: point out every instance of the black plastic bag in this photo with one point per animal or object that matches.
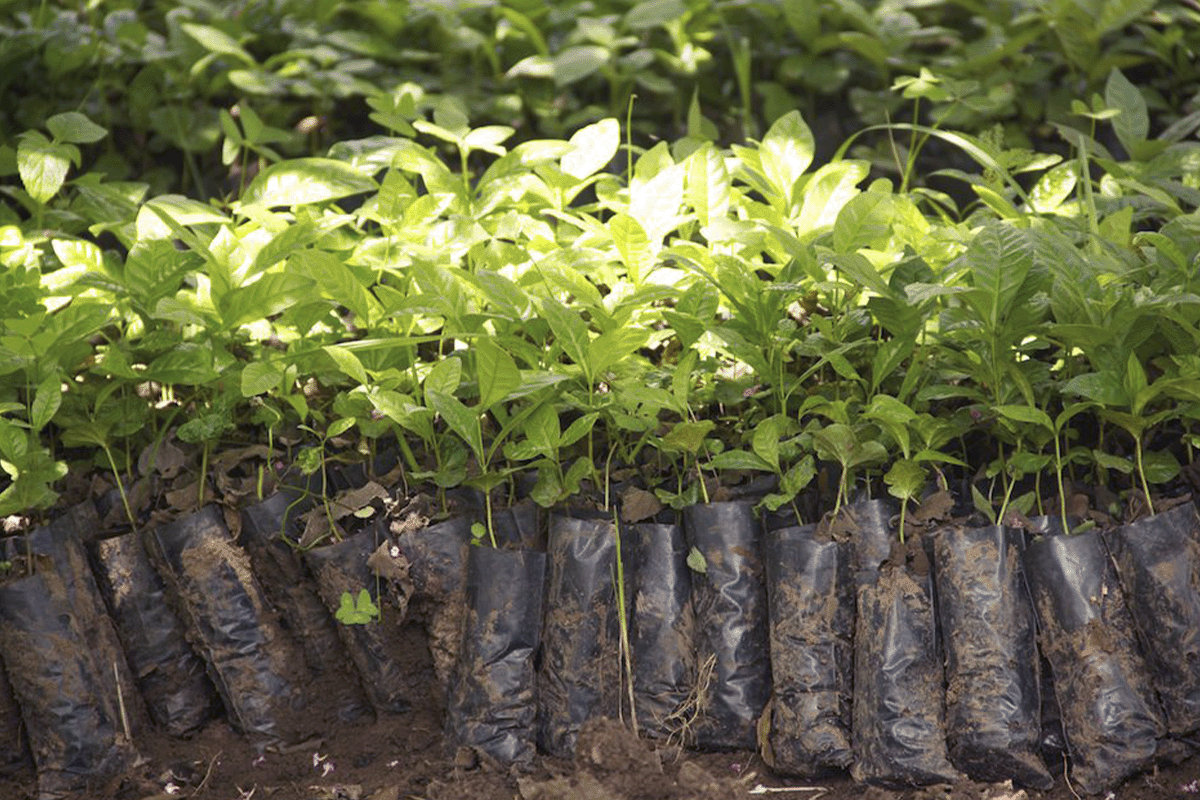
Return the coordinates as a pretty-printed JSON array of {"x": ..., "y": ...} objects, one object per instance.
[
  {"x": 171, "y": 676},
  {"x": 14, "y": 748},
  {"x": 993, "y": 685},
  {"x": 254, "y": 666},
  {"x": 268, "y": 530},
  {"x": 431, "y": 564},
  {"x": 70, "y": 701},
  {"x": 579, "y": 674},
  {"x": 810, "y": 590},
  {"x": 62, "y": 541},
  {"x": 899, "y": 724},
  {"x": 493, "y": 694},
  {"x": 341, "y": 573},
  {"x": 662, "y": 629},
  {"x": 1110, "y": 716},
  {"x": 1158, "y": 561},
  {"x": 732, "y": 631}
]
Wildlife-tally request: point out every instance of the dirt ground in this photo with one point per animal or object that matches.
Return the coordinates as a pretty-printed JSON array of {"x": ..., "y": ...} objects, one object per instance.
[{"x": 405, "y": 757}]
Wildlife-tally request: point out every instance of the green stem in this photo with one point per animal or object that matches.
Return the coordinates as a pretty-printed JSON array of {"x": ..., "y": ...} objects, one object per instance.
[
  {"x": 120, "y": 486},
  {"x": 203, "y": 476},
  {"x": 1142, "y": 474},
  {"x": 1062, "y": 494},
  {"x": 626, "y": 650}
]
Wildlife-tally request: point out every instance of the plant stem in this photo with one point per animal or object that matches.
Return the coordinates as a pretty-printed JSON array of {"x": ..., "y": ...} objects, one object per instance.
[
  {"x": 623, "y": 623},
  {"x": 1142, "y": 474},
  {"x": 120, "y": 486}
]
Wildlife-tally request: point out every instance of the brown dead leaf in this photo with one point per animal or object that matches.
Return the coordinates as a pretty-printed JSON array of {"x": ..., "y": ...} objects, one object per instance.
[
  {"x": 352, "y": 500},
  {"x": 185, "y": 498},
  {"x": 317, "y": 528},
  {"x": 164, "y": 458},
  {"x": 231, "y": 458},
  {"x": 934, "y": 508},
  {"x": 638, "y": 504}
]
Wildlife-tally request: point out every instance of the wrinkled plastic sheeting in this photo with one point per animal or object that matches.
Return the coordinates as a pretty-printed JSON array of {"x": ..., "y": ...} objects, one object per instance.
[
  {"x": 1110, "y": 715},
  {"x": 580, "y": 645},
  {"x": 662, "y": 629},
  {"x": 291, "y": 590},
  {"x": 492, "y": 704},
  {"x": 172, "y": 679},
  {"x": 253, "y": 665},
  {"x": 810, "y": 589},
  {"x": 66, "y": 691},
  {"x": 993, "y": 696},
  {"x": 732, "y": 632},
  {"x": 899, "y": 731},
  {"x": 1158, "y": 561},
  {"x": 342, "y": 568},
  {"x": 62, "y": 542}
]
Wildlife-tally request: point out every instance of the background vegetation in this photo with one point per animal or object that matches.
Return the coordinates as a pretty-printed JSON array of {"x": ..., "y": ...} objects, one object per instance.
[{"x": 538, "y": 248}]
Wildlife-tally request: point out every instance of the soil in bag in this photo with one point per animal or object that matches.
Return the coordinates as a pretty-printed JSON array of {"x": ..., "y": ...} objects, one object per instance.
[
  {"x": 429, "y": 566},
  {"x": 579, "y": 674},
  {"x": 733, "y": 661},
  {"x": 171, "y": 677},
  {"x": 993, "y": 686},
  {"x": 1158, "y": 561},
  {"x": 492, "y": 704},
  {"x": 662, "y": 630},
  {"x": 899, "y": 724},
  {"x": 1109, "y": 713},
  {"x": 368, "y": 620},
  {"x": 810, "y": 591},
  {"x": 76, "y": 719},
  {"x": 255, "y": 667},
  {"x": 270, "y": 530},
  {"x": 14, "y": 748}
]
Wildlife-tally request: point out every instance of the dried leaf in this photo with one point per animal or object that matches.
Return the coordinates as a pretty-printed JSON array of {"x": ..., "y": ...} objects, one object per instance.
[
  {"x": 352, "y": 500},
  {"x": 164, "y": 458},
  {"x": 638, "y": 504}
]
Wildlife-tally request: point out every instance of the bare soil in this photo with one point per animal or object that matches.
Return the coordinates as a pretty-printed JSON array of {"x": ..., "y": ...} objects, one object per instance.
[{"x": 405, "y": 757}]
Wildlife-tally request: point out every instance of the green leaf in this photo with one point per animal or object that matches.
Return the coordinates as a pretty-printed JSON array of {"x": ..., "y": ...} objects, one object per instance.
[
  {"x": 1027, "y": 414},
  {"x": 982, "y": 504},
  {"x": 75, "y": 128},
  {"x": 696, "y": 562},
  {"x": 905, "y": 479},
  {"x": 1100, "y": 387},
  {"x": 578, "y": 429},
  {"x": 444, "y": 377},
  {"x": 825, "y": 195},
  {"x": 497, "y": 373},
  {"x": 42, "y": 165},
  {"x": 217, "y": 41},
  {"x": 610, "y": 348},
  {"x": 633, "y": 245},
  {"x": 570, "y": 332},
  {"x": 864, "y": 221},
  {"x": 301, "y": 181},
  {"x": 999, "y": 259},
  {"x": 592, "y": 148},
  {"x": 259, "y": 377},
  {"x": 786, "y": 151},
  {"x": 740, "y": 459},
  {"x": 348, "y": 363},
  {"x": 462, "y": 420},
  {"x": 1132, "y": 125},
  {"x": 359, "y": 610},
  {"x": 799, "y": 475},
  {"x": 652, "y": 13},
  {"x": 765, "y": 441},
  {"x": 707, "y": 184},
  {"x": 686, "y": 437},
  {"x": 46, "y": 401},
  {"x": 573, "y": 64},
  {"x": 1160, "y": 466},
  {"x": 339, "y": 426}
]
